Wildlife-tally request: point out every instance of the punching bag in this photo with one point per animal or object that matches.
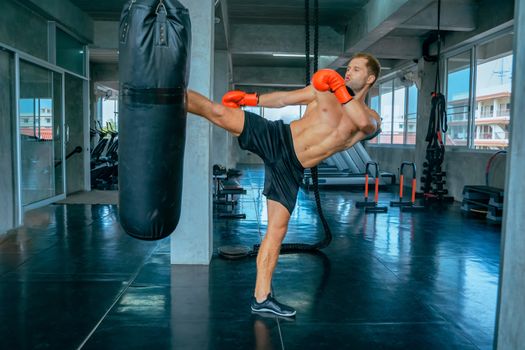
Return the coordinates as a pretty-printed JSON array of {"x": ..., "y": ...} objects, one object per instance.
[{"x": 154, "y": 53}]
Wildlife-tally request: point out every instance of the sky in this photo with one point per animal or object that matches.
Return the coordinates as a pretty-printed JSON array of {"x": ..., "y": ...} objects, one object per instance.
[{"x": 493, "y": 76}]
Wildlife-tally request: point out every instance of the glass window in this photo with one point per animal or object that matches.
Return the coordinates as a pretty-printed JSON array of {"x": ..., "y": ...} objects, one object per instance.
[
  {"x": 458, "y": 96},
  {"x": 41, "y": 133},
  {"x": 374, "y": 104},
  {"x": 411, "y": 115},
  {"x": 385, "y": 106},
  {"x": 286, "y": 114},
  {"x": 110, "y": 113},
  {"x": 399, "y": 113},
  {"x": 493, "y": 93},
  {"x": 70, "y": 53},
  {"x": 256, "y": 110},
  {"x": 396, "y": 102}
]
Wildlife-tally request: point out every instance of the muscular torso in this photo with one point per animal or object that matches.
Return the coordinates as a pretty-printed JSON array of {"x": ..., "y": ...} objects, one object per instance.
[{"x": 324, "y": 129}]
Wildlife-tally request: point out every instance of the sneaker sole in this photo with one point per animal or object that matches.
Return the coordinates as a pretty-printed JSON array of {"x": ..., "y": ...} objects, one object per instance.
[{"x": 273, "y": 312}]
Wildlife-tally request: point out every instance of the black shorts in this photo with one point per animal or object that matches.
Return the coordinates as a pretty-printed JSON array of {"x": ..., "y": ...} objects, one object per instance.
[{"x": 272, "y": 141}]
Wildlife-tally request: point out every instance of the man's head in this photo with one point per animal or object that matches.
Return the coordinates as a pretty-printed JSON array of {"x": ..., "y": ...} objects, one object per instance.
[{"x": 362, "y": 71}]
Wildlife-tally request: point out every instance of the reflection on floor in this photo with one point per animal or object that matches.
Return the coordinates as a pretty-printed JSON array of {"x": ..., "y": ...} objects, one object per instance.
[{"x": 71, "y": 278}]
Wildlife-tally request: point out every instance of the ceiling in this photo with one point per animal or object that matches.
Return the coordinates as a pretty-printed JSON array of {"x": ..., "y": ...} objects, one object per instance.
[
  {"x": 252, "y": 32},
  {"x": 103, "y": 10}
]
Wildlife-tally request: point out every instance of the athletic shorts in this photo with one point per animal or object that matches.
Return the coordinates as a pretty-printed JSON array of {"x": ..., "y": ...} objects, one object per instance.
[{"x": 272, "y": 141}]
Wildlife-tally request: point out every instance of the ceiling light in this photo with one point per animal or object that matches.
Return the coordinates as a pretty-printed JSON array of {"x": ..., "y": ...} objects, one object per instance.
[{"x": 290, "y": 55}]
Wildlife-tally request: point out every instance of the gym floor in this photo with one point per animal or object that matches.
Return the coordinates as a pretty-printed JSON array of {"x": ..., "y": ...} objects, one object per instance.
[{"x": 72, "y": 279}]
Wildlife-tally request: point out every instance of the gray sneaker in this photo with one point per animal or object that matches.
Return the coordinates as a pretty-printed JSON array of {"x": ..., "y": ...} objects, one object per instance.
[{"x": 273, "y": 306}]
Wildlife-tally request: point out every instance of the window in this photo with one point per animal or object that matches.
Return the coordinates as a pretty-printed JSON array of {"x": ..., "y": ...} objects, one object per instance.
[
  {"x": 487, "y": 126},
  {"x": 411, "y": 115},
  {"x": 35, "y": 121},
  {"x": 110, "y": 113},
  {"x": 398, "y": 135},
  {"x": 286, "y": 114},
  {"x": 396, "y": 102},
  {"x": 373, "y": 97},
  {"x": 385, "y": 106},
  {"x": 493, "y": 91},
  {"x": 458, "y": 97}
]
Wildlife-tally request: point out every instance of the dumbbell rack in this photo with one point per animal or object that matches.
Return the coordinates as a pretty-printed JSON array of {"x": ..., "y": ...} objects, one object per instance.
[{"x": 433, "y": 180}]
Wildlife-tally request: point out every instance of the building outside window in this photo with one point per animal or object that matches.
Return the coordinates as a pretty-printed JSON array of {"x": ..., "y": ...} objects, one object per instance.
[
  {"x": 395, "y": 100},
  {"x": 479, "y": 118}
]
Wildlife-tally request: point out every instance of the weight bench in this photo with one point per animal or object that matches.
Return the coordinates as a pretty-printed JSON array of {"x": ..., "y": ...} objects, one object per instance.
[{"x": 225, "y": 193}]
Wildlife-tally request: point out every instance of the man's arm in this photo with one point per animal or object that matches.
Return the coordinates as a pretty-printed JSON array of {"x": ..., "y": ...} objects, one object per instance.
[
  {"x": 366, "y": 119},
  {"x": 287, "y": 98}
]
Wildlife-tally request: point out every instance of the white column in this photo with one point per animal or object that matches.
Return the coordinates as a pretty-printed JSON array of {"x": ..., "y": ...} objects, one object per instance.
[
  {"x": 191, "y": 243},
  {"x": 511, "y": 299}
]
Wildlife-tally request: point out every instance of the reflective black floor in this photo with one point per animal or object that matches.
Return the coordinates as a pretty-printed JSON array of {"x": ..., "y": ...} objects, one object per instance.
[{"x": 72, "y": 279}]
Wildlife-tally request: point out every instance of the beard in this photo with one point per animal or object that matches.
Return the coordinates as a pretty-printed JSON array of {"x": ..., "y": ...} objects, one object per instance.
[{"x": 356, "y": 86}]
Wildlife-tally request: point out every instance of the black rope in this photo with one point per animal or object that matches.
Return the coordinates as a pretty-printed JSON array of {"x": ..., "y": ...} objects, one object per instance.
[
  {"x": 316, "y": 35},
  {"x": 433, "y": 178},
  {"x": 307, "y": 41},
  {"x": 437, "y": 87},
  {"x": 314, "y": 171}
]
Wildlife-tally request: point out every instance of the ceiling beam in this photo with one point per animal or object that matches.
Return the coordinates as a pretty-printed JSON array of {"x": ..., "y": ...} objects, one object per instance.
[
  {"x": 458, "y": 17},
  {"x": 281, "y": 39},
  {"x": 375, "y": 21},
  {"x": 397, "y": 47}
]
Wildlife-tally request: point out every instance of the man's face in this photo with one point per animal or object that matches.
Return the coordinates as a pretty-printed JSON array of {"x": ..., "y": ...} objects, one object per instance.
[{"x": 357, "y": 76}]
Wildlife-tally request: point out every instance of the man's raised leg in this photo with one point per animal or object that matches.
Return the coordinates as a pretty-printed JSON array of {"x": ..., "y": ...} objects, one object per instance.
[{"x": 230, "y": 119}]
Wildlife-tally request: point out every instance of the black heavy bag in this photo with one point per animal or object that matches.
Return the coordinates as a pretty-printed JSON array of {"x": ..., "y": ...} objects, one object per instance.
[{"x": 154, "y": 52}]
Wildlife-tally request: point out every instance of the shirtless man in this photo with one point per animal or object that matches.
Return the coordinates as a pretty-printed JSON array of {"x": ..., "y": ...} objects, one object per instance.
[{"x": 333, "y": 121}]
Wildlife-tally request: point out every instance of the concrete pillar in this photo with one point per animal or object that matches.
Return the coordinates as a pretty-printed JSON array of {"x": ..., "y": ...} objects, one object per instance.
[
  {"x": 191, "y": 243},
  {"x": 8, "y": 209},
  {"x": 511, "y": 299},
  {"x": 427, "y": 73},
  {"x": 220, "y": 137}
]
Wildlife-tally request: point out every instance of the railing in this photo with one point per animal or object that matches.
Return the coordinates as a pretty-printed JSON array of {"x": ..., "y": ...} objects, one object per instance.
[
  {"x": 502, "y": 135},
  {"x": 488, "y": 114},
  {"x": 503, "y": 113},
  {"x": 485, "y": 115}
]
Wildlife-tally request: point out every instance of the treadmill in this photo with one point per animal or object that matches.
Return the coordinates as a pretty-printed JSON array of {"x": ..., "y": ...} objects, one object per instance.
[{"x": 346, "y": 168}]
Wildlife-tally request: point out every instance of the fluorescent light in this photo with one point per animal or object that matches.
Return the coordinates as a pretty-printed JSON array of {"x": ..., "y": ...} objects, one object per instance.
[{"x": 290, "y": 55}]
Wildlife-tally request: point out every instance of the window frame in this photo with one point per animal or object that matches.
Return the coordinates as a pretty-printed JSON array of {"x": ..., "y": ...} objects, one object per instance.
[
  {"x": 472, "y": 48},
  {"x": 390, "y": 78}
]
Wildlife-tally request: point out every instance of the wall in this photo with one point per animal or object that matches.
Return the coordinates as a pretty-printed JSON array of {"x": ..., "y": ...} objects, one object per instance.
[
  {"x": 23, "y": 29},
  {"x": 390, "y": 159}
]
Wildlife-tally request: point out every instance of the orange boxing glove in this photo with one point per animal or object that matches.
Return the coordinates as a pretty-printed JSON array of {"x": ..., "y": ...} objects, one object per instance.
[
  {"x": 236, "y": 99},
  {"x": 330, "y": 80}
]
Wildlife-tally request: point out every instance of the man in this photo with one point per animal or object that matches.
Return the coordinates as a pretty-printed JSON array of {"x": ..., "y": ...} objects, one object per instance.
[{"x": 334, "y": 120}]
